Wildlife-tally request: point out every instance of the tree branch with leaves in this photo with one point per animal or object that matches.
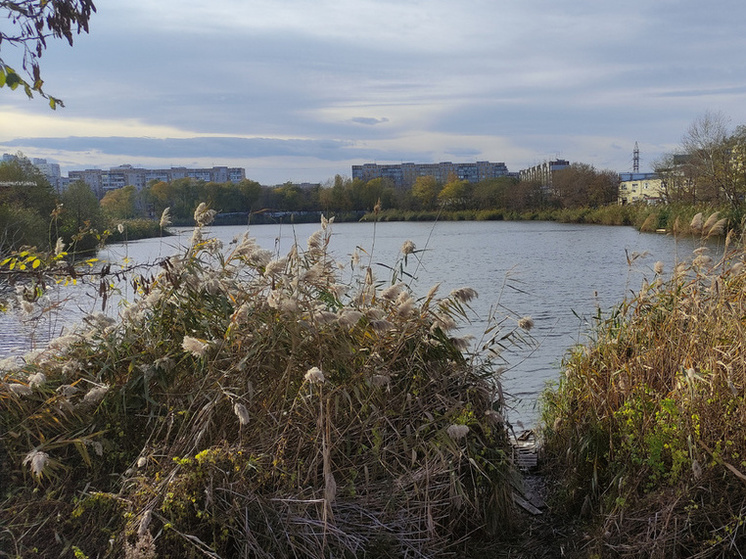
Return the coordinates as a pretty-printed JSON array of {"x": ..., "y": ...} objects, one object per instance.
[{"x": 33, "y": 22}]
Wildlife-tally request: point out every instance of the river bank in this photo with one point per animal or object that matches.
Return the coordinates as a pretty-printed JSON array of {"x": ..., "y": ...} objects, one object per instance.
[
  {"x": 673, "y": 219},
  {"x": 643, "y": 434},
  {"x": 574, "y": 246}
]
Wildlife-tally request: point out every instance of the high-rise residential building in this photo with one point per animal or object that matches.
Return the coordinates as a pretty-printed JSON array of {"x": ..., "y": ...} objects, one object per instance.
[
  {"x": 404, "y": 175},
  {"x": 101, "y": 181},
  {"x": 50, "y": 170},
  {"x": 543, "y": 172}
]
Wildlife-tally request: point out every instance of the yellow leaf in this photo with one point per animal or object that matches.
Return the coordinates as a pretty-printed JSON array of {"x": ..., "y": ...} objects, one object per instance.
[{"x": 36, "y": 264}]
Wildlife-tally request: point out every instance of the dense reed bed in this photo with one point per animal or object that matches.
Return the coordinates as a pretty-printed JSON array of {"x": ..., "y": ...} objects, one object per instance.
[
  {"x": 645, "y": 431},
  {"x": 249, "y": 404},
  {"x": 648, "y": 218}
]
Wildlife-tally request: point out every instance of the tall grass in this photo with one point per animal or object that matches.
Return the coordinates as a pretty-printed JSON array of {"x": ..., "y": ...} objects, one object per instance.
[
  {"x": 674, "y": 219},
  {"x": 645, "y": 429},
  {"x": 249, "y": 404}
]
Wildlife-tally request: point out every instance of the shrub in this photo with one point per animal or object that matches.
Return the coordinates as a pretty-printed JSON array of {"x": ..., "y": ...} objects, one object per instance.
[
  {"x": 646, "y": 425},
  {"x": 247, "y": 404}
]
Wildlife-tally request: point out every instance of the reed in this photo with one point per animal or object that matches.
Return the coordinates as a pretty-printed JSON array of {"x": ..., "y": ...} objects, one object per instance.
[
  {"x": 644, "y": 430},
  {"x": 251, "y": 404}
]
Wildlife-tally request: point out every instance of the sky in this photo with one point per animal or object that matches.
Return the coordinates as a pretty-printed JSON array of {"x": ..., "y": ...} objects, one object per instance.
[{"x": 301, "y": 90}]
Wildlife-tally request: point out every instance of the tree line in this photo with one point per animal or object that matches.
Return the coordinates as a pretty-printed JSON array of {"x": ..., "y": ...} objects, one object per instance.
[
  {"x": 579, "y": 185},
  {"x": 33, "y": 214},
  {"x": 709, "y": 166}
]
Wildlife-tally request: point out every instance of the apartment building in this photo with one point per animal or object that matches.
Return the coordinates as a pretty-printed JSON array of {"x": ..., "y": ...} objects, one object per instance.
[
  {"x": 404, "y": 175},
  {"x": 101, "y": 181},
  {"x": 543, "y": 173},
  {"x": 640, "y": 187}
]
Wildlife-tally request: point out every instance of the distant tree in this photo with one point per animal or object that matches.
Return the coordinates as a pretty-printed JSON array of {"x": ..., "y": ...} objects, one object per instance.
[
  {"x": 157, "y": 197},
  {"x": 404, "y": 200},
  {"x": 529, "y": 195},
  {"x": 289, "y": 197},
  {"x": 26, "y": 202},
  {"x": 120, "y": 203},
  {"x": 365, "y": 195},
  {"x": 495, "y": 193},
  {"x": 678, "y": 182},
  {"x": 710, "y": 166},
  {"x": 80, "y": 219},
  {"x": 184, "y": 197},
  {"x": 456, "y": 195},
  {"x": 23, "y": 185},
  {"x": 581, "y": 184},
  {"x": 31, "y": 24},
  {"x": 215, "y": 195},
  {"x": 21, "y": 227},
  {"x": 425, "y": 192},
  {"x": 707, "y": 157},
  {"x": 335, "y": 196},
  {"x": 250, "y": 192}
]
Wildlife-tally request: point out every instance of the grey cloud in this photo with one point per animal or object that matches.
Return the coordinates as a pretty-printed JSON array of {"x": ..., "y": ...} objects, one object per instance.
[
  {"x": 704, "y": 92},
  {"x": 464, "y": 152},
  {"x": 217, "y": 147},
  {"x": 552, "y": 72},
  {"x": 369, "y": 120}
]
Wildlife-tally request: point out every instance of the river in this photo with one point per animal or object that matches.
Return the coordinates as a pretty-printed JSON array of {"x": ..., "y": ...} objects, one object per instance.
[{"x": 559, "y": 274}]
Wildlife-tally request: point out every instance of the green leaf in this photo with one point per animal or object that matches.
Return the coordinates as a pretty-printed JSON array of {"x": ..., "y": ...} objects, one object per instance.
[{"x": 12, "y": 79}]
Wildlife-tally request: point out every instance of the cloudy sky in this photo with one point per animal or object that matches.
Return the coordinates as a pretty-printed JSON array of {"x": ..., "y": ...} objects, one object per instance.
[{"x": 301, "y": 90}]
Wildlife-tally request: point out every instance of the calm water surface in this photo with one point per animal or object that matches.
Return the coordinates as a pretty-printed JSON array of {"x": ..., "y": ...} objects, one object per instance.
[{"x": 559, "y": 274}]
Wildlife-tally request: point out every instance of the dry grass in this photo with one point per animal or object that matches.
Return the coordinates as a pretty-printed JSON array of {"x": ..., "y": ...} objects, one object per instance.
[
  {"x": 645, "y": 429},
  {"x": 251, "y": 405}
]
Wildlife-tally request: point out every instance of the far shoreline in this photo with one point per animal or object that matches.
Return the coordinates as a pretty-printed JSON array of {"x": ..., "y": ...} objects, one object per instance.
[{"x": 660, "y": 218}]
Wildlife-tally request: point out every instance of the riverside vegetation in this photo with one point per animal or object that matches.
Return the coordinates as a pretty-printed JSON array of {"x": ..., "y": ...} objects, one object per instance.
[
  {"x": 33, "y": 215},
  {"x": 248, "y": 404},
  {"x": 644, "y": 432}
]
